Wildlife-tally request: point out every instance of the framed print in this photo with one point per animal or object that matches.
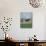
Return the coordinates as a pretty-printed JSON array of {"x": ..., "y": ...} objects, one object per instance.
[{"x": 26, "y": 19}]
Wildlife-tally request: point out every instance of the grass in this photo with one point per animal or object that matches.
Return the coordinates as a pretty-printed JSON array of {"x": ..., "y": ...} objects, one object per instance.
[{"x": 26, "y": 25}]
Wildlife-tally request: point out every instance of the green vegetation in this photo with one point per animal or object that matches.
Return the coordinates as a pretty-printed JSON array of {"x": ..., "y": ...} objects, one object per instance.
[{"x": 26, "y": 25}]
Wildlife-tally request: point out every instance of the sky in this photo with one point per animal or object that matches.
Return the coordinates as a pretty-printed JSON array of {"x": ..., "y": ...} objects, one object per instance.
[{"x": 26, "y": 15}]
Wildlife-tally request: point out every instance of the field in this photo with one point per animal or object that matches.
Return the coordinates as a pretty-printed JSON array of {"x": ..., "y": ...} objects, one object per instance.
[{"x": 26, "y": 25}]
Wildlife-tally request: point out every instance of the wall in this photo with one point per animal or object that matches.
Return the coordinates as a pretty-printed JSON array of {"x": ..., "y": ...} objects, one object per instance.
[{"x": 12, "y": 8}]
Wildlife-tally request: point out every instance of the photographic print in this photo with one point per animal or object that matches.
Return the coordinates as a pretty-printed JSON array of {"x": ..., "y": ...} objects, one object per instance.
[{"x": 26, "y": 19}]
